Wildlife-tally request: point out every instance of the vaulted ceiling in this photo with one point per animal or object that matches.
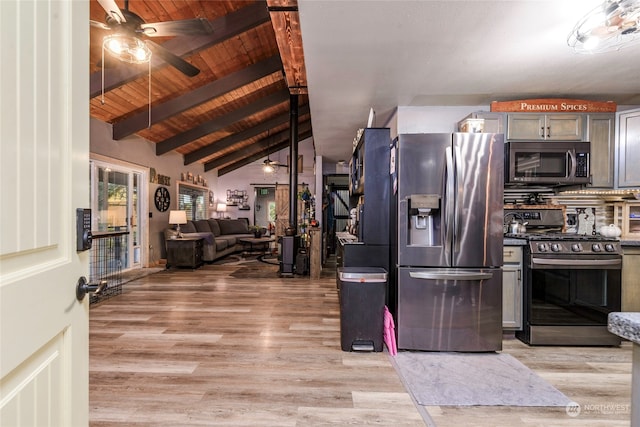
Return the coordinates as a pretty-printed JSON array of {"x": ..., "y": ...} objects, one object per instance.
[
  {"x": 235, "y": 110},
  {"x": 358, "y": 55}
]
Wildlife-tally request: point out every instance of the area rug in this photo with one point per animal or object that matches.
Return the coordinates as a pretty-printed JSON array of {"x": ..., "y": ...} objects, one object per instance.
[{"x": 473, "y": 379}]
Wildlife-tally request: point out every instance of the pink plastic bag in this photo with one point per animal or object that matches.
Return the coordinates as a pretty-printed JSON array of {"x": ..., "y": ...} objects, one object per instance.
[{"x": 389, "y": 334}]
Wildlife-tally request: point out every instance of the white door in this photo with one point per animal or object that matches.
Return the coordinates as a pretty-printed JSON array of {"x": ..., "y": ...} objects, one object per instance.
[{"x": 44, "y": 177}]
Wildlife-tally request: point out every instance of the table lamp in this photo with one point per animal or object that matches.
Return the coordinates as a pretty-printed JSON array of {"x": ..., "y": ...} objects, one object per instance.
[
  {"x": 221, "y": 208},
  {"x": 178, "y": 217}
]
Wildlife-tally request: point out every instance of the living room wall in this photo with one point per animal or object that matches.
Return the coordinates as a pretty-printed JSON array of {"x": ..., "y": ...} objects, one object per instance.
[
  {"x": 138, "y": 151},
  {"x": 252, "y": 175}
]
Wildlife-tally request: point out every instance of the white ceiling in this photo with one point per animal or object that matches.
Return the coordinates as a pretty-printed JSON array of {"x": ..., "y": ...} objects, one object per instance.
[{"x": 363, "y": 54}]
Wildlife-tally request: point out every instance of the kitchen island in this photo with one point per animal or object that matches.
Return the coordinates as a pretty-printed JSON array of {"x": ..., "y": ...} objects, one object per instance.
[{"x": 627, "y": 325}]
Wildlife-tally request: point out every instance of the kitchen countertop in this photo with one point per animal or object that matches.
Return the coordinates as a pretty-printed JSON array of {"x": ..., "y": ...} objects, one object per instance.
[
  {"x": 630, "y": 242},
  {"x": 625, "y": 325}
]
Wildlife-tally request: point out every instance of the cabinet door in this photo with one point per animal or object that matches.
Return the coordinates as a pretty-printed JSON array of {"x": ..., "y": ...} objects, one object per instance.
[
  {"x": 525, "y": 127},
  {"x": 511, "y": 298},
  {"x": 493, "y": 122},
  {"x": 602, "y": 138},
  {"x": 630, "y": 272},
  {"x": 512, "y": 288},
  {"x": 564, "y": 127},
  {"x": 629, "y": 149},
  {"x": 536, "y": 127}
]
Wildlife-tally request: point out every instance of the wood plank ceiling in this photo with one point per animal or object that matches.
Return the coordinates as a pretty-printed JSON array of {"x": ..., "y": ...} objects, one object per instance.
[{"x": 236, "y": 110}]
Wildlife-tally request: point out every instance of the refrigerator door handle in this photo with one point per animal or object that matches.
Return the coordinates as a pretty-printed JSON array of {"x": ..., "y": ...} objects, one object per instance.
[
  {"x": 449, "y": 203},
  {"x": 458, "y": 186},
  {"x": 454, "y": 275}
]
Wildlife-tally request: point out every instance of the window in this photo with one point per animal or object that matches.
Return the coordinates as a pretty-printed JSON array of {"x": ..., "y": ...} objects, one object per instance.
[{"x": 194, "y": 200}]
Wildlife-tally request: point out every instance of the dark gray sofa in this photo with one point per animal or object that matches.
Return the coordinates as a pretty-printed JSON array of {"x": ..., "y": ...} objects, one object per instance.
[{"x": 220, "y": 236}]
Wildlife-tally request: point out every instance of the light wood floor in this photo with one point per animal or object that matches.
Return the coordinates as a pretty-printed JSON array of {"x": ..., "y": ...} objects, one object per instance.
[{"x": 203, "y": 348}]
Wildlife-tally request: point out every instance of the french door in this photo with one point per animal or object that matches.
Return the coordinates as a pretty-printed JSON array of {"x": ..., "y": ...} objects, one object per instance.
[{"x": 117, "y": 201}]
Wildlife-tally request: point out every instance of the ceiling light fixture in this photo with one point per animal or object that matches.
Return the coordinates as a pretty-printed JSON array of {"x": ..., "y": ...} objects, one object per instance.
[
  {"x": 127, "y": 48},
  {"x": 267, "y": 167},
  {"x": 611, "y": 26}
]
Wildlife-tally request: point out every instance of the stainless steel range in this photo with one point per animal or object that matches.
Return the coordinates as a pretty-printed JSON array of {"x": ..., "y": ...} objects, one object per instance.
[{"x": 571, "y": 283}]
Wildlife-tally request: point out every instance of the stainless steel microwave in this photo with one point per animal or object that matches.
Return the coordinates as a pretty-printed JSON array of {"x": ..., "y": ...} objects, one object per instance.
[{"x": 547, "y": 162}]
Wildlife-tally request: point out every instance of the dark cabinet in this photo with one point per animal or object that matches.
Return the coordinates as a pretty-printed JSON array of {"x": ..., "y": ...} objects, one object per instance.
[
  {"x": 185, "y": 252},
  {"x": 371, "y": 178}
]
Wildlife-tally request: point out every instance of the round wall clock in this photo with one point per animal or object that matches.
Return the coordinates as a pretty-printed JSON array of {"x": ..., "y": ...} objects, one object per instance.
[{"x": 162, "y": 199}]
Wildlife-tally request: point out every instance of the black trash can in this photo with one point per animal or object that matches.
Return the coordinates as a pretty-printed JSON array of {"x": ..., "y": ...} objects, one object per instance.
[{"x": 362, "y": 297}]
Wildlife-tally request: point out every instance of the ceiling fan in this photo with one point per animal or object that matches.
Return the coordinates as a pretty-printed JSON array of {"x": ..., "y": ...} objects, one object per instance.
[
  {"x": 126, "y": 45},
  {"x": 270, "y": 166}
]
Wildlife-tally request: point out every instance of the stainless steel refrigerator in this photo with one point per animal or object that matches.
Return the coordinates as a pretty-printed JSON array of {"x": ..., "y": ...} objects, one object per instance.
[{"x": 448, "y": 245}]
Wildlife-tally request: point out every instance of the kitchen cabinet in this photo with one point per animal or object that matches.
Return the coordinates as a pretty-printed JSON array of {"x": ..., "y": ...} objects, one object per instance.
[
  {"x": 493, "y": 122},
  {"x": 538, "y": 127},
  {"x": 512, "y": 288},
  {"x": 629, "y": 149},
  {"x": 630, "y": 274},
  {"x": 601, "y": 134}
]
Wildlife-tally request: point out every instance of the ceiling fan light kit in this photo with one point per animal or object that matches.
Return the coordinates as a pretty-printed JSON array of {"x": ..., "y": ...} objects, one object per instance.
[
  {"x": 609, "y": 27},
  {"x": 267, "y": 167},
  {"x": 127, "y": 48},
  {"x": 129, "y": 43}
]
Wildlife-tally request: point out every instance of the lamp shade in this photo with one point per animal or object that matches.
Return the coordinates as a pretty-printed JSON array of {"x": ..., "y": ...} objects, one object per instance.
[
  {"x": 177, "y": 217},
  {"x": 221, "y": 207}
]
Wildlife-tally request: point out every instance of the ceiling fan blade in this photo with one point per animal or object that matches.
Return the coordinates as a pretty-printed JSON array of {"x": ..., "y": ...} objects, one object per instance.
[
  {"x": 173, "y": 59},
  {"x": 99, "y": 25},
  {"x": 112, "y": 10},
  {"x": 185, "y": 27}
]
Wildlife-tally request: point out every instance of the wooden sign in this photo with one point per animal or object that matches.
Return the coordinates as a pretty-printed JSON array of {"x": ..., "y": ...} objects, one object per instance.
[{"x": 553, "y": 105}]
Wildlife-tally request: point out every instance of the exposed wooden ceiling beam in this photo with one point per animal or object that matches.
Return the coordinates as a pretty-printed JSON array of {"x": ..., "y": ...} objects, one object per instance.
[
  {"x": 229, "y": 167},
  {"x": 218, "y": 123},
  {"x": 224, "y": 28},
  {"x": 230, "y": 140},
  {"x": 246, "y": 161},
  {"x": 261, "y": 148},
  {"x": 286, "y": 25}
]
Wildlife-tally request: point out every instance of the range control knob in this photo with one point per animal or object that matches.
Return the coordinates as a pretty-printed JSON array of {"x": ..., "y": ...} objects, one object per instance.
[
  {"x": 609, "y": 247},
  {"x": 542, "y": 247},
  {"x": 555, "y": 247},
  {"x": 576, "y": 247},
  {"x": 596, "y": 247}
]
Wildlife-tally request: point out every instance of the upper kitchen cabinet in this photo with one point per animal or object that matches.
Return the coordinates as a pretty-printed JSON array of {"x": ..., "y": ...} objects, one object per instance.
[
  {"x": 491, "y": 122},
  {"x": 629, "y": 149},
  {"x": 538, "y": 127},
  {"x": 601, "y": 134}
]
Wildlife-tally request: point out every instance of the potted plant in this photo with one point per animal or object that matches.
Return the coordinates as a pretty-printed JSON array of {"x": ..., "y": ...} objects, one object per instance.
[{"x": 256, "y": 230}]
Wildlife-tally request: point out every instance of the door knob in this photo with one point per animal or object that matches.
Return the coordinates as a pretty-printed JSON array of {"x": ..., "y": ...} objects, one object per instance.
[{"x": 83, "y": 287}]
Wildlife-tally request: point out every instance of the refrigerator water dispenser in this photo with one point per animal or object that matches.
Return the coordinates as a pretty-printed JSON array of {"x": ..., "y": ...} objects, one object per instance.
[{"x": 424, "y": 212}]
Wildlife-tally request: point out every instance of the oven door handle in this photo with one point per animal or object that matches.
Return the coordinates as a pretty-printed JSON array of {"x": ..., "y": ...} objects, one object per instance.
[
  {"x": 445, "y": 275},
  {"x": 575, "y": 262}
]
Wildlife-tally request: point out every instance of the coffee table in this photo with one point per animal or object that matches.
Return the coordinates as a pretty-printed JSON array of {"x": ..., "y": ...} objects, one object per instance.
[{"x": 261, "y": 245}]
